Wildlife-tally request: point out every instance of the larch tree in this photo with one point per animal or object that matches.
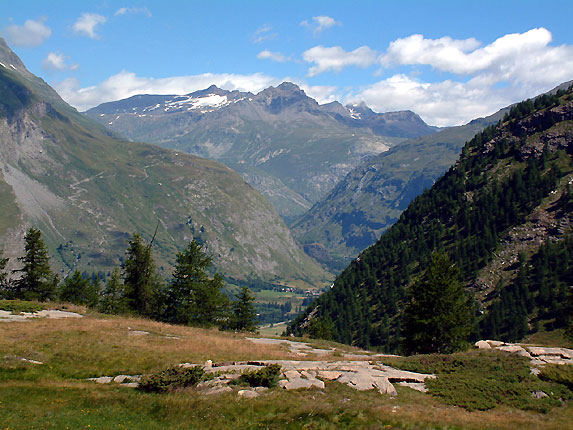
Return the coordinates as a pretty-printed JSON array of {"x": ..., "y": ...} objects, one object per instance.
[
  {"x": 37, "y": 281},
  {"x": 139, "y": 276},
  {"x": 438, "y": 316},
  {"x": 244, "y": 316}
]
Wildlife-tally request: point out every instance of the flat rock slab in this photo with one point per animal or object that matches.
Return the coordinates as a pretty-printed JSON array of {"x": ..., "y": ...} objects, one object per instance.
[
  {"x": 538, "y": 355},
  {"x": 6, "y": 316},
  {"x": 298, "y": 348}
]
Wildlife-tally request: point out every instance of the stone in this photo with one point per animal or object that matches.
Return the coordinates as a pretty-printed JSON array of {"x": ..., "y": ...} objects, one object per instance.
[
  {"x": 138, "y": 333},
  {"x": 261, "y": 389},
  {"x": 248, "y": 394},
  {"x": 120, "y": 379},
  {"x": 311, "y": 374},
  {"x": 298, "y": 383},
  {"x": 418, "y": 386},
  {"x": 218, "y": 389},
  {"x": 534, "y": 371},
  {"x": 131, "y": 384},
  {"x": 208, "y": 365},
  {"x": 482, "y": 344},
  {"x": 495, "y": 343},
  {"x": 515, "y": 349},
  {"x": 538, "y": 394},
  {"x": 103, "y": 379},
  {"x": 331, "y": 375},
  {"x": 384, "y": 386},
  {"x": 292, "y": 374}
]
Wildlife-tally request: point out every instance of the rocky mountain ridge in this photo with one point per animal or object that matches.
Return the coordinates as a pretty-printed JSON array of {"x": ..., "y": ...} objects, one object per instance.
[{"x": 280, "y": 140}]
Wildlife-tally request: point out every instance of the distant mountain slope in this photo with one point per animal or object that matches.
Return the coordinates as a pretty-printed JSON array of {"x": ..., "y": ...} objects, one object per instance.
[
  {"x": 280, "y": 140},
  {"x": 88, "y": 191},
  {"x": 374, "y": 194},
  {"x": 500, "y": 212}
]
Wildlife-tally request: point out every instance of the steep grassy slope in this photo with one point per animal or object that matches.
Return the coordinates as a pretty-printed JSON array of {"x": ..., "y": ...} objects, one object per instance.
[
  {"x": 282, "y": 142},
  {"x": 88, "y": 192},
  {"x": 508, "y": 176}
]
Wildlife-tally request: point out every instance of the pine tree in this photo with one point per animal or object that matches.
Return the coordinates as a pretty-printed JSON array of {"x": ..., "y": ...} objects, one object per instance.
[
  {"x": 139, "y": 276},
  {"x": 79, "y": 290},
  {"x": 194, "y": 298},
  {"x": 113, "y": 296},
  {"x": 438, "y": 317},
  {"x": 244, "y": 314},
  {"x": 37, "y": 281}
]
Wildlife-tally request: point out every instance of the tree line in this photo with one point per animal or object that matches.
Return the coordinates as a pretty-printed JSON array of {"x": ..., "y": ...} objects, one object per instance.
[
  {"x": 190, "y": 297},
  {"x": 464, "y": 215}
]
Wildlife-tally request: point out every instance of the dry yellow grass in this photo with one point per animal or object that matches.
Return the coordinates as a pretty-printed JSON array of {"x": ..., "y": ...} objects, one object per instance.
[{"x": 55, "y": 395}]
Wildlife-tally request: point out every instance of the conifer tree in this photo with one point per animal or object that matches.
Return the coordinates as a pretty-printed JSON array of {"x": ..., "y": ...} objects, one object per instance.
[
  {"x": 139, "y": 276},
  {"x": 438, "y": 317},
  {"x": 38, "y": 282},
  {"x": 78, "y": 290},
  {"x": 112, "y": 299},
  {"x": 244, "y": 314},
  {"x": 194, "y": 298}
]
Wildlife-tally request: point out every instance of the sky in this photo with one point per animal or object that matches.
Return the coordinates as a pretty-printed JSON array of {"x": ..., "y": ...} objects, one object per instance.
[{"x": 448, "y": 61}]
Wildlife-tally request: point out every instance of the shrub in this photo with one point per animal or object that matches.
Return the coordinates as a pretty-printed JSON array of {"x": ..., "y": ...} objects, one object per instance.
[
  {"x": 19, "y": 306},
  {"x": 560, "y": 373},
  {"x": 268, "y": 376},
  {"x": 173, "y": 378}
]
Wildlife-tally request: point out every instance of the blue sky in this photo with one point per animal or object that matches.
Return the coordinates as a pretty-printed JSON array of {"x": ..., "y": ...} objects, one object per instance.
[{"x": 449, "y": 61}]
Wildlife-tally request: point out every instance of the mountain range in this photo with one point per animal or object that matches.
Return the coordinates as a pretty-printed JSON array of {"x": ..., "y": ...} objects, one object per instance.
[
  {"x": 89, "y": 191},
  {"x": 281, "y": 141}
]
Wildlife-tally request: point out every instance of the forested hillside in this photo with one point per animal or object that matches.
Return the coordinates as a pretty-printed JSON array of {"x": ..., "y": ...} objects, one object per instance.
[{"x": 502, "y": 213}]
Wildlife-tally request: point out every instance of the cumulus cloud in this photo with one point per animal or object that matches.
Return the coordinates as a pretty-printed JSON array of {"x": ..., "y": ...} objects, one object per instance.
[
  {"x": 87, "y": 24},
  {"x": 126, "y": 84},
  {"x": 32, "y": 33},
  {"x": 466, "y": 56},
  {"x": 336, "y": 58},
  {"x": 133, "y": 10},
  {"x": 484, "y": 78},
  {"x": 55, "y": 61},
  {"x": 320, "y": 23},
  {"x": 274, "y": 56}
]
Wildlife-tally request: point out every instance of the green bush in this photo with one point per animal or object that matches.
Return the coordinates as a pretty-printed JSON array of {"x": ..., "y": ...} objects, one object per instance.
[
  {"x": 560, "y": 373},
  {"x": 173, "y": 378},
  {"x": 268, "y": 376},
  {"x": 19, "y": 306}
]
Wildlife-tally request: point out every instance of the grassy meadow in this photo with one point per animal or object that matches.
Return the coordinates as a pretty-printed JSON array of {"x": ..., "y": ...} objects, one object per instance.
[{"x": 56, "y": 394}]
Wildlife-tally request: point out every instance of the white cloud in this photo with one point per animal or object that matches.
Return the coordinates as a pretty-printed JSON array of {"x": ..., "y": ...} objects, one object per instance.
[
  {"x": 87, "y": 23},
  {"x": 55, "y": 61},
  {"x": 126, "y": 84},
  {"x": 263, "y": 33},
  {"x": 133, "y": 10},
  {"x": 32, "y": 33},
  {"x": 465, "y": 56},
  {"x": 335, "y": 58},
  {"x": 320, "y": 23},
  {"x": 274, "y": 56}
]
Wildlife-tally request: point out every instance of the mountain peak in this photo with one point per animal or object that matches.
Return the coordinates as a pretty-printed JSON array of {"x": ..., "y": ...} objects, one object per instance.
[
  {"x": 9, "y": 59},
  {"x": 289, "y": 86}
]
